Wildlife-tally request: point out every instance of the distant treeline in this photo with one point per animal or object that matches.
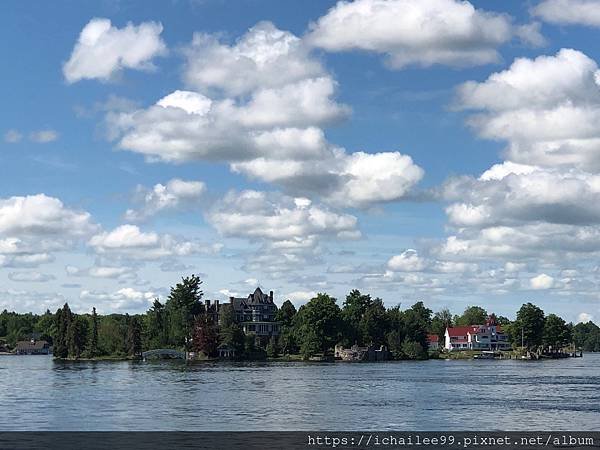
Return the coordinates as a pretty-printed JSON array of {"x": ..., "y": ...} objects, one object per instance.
[{"x": 182, "y": 322}]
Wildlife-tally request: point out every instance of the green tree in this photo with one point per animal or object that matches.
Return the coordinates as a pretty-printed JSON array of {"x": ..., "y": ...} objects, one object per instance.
[
  {"x": 46, "y": 326},
  {"x": 134, "y": 337},
  {"x": 157, "y": 330},
  {"x": 373, "y": 324},
  {"x": 587, "y": 336},
  {"x": 63, "y": 319},
  {"x": 528, "y": 328},
  {"x": 354, "y": 308},
  {"x": 557, "y": 334},
  {"x": 93, "y": 344},
  {"x": 184, "y": 304},
  {"x": 440, "y": 321},
  {"x": 230, "y": 332},
  {"x": 77, "y": 336},
  {"x": 417, "y": 320},
  {"x": 413, "y": 350},
  {"x": 272, "y": 347},
  {"x": 285, "y": 316},
  {"x": 318, "y": 325},
  {"x": 473, "y": 315}
]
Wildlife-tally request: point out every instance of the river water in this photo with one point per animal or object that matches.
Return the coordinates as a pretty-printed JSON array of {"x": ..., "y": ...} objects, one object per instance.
[{"x": 37, "y": 393}]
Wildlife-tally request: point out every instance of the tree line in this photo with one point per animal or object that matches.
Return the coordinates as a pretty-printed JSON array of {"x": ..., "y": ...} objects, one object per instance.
[{"x": 183, "y": 322}]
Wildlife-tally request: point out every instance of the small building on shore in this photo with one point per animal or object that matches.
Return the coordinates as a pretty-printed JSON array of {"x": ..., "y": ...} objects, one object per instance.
[{"x": 32, "y": 347}]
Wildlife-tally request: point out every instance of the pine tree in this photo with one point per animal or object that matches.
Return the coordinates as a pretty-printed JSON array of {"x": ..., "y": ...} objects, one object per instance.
[
  {"x": 76, "y": 336},
  {"x": 93, "y": 347},
  {"x": 134, "y": 337},
  {"x": 63, "y": 320}
]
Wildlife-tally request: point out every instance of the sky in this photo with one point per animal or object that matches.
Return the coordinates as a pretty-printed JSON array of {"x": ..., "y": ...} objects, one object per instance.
[{"x": 433, "y": 150}]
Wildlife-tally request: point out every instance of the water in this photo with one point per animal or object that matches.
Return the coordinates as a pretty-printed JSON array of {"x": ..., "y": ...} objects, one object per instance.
[{"x": 40, "y": 394}]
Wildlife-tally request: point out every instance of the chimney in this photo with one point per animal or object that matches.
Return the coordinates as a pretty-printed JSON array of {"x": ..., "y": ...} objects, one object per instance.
[
  {"x": 217, "y": 305},
  {"x": 271, "y": 295},
  {"x": 207, "y": 303},
  {"x": 231, "y": 301}
]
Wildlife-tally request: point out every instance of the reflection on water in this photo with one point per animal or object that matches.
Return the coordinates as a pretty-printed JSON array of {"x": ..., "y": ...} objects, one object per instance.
[{"x": 40, "y": 394}]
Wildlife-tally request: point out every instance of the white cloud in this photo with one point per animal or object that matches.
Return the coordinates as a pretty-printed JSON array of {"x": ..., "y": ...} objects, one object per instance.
[
  {"x": 103, "y": 50},
  {"x": 347, "y": 180},
  {"x": 99, "y": 271},
  {"x": 174, "y": 195},
  {"x": 43, "y": 136},
  {"x": 258, "y": 215},
  {"x": 407, "y": 261},
  {"x": 420, "y": 33},
  {"x": 569, "y": 12},
  {"x": 123, "y": 300},
  {"x": 129, "y": 242},
  {"x": 584, "y": 317},
  {"x": 269, "y": 124},
  {"x": 35, "y": 226},
  {"x": 298, "y": 298},
  {"x": 12, "y": 136},
  {"x": 289, "y": 230},
  {"x": 547, "y": 109},
  {"x": 265, "y": 57},
  {"x": 30, "y": 277},
  {"x": 542, "y": 281},
  {"x": 22, "y": 301}
]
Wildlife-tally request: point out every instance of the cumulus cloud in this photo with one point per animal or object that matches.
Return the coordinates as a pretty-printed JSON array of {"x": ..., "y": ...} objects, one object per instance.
[
  {"x": 346, "y": 180},
  {"x": 35, "y": 226},
  {"x": 569, "y": 12},
  {"x": 542, "y": 281},
  {"x": 547, "y": 109},
  {"x": 420, "y": 33},
  {"x": 290, "y": 230},
  {"x": 130, "y": 242},
  {"x": 265, "y": 57},
  {"x": 407, "y": 261},
  {"x": 176, "y": 194},
  {"x": 24, "y": 301},
  {"x": 103, "y": 50},
  {"x": 123, "y": 300},
  {"x": 584, "y": 317}
]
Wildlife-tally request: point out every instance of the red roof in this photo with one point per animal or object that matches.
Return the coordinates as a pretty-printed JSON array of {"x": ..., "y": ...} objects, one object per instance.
[
  {"x": 433, "y": 338},
  {"x": 462, "y": 331}
]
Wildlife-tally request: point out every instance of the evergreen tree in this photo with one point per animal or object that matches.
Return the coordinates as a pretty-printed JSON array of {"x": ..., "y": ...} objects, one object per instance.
[
  {"x": 184, "y": 304},
  {"x": 63, "y": 319},
  {"x": 134, "y": 337},
  {"x": 285, "y": 317},
  {"x": 76, "y": 336},
  {"x": 93, "y": 344}
]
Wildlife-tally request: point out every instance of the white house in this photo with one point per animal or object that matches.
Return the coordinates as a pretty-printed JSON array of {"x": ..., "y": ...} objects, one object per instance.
[{"x": 477, "y": 337}]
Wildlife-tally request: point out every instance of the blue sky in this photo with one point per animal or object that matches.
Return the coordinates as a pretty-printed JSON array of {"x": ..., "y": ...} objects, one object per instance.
[{"x": 388, "y": 145}]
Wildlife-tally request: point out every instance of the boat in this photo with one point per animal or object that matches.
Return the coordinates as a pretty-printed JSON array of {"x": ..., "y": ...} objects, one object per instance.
[{"x": 485, "y": 355}]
